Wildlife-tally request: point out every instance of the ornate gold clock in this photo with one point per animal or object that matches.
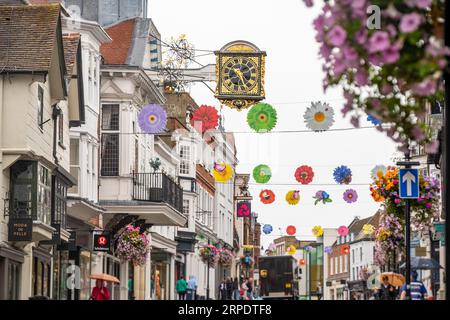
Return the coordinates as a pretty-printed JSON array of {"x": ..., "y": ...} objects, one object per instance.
[{"x": 240, "y": 68}]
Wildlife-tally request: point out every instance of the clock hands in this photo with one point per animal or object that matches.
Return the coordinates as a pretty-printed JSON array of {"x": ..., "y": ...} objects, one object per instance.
[{"x": 240, "y": 74}]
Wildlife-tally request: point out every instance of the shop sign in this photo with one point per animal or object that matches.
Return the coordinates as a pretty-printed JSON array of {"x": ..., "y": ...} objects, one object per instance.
[
  {"x": 244, "y": 209},
  {"x": 102, "y": 241},
  {"x": 20, "y": 229}
]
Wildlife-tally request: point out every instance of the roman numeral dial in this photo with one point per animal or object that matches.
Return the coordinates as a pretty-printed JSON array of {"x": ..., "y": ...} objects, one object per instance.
[{"x": 239, "y": 75}]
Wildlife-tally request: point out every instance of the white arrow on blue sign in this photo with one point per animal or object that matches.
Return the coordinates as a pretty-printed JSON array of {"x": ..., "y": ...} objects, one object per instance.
[{"x": 409, "y": 183}]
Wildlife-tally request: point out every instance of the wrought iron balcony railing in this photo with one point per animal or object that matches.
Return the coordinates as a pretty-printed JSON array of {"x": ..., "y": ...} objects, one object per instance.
[{"x": 157, "y": 187}]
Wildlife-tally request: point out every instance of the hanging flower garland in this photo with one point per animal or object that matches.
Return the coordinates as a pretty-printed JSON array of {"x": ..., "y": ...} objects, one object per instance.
[
  {"x": 262, "y": 117},
  {"x": 267, "y": 229},
  {"x": 293, "y": 197},
  {"x": 350, "y": 196},
  {"x": 291, "y": 230},
  {"x": 343, "y": 231},
  {"x": 205, "y": 118},
  {"x": 322, "y": 196},
  {"x": 304, "y": 174},
  {"x": 222, "y": 172},
  {"x": 211, "y": 254},
  {"x": 133, "y": 246},
  {"x": 317, "y": 231},
  {"x": 226, "y": 257},
  {"x": 342, "y": 175},
  {"x": 152, "y": 119},
  {"x": 391, "y": 73},
  {"x": 319, "y": 117},
  {"x": 262, "y": 173},
  {"x": 267, "y": 196}
]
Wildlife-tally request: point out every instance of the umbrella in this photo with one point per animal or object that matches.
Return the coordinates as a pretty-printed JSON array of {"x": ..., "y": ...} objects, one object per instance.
[
  {"x": 422, "y": 263},
  {"x": 104, "y": 277},
  {"x": 395, "y": 279}
]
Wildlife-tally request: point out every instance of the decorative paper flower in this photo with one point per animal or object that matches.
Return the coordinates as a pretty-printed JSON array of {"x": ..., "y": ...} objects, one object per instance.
[
  {"x": 378, "y": 171},
  {"x": 319, "y": 117},
  {"x": 291, "y": 249},
  {"x": 343, "y": 231},
  {"x": 262, "y": 117},
  {"x": 152, "y": 119},
  {"x": 205, "y": 118},
  {"x": 317, "y": 231},
  {"x": 374, "y": 120},
  {"x": 345, "y": 249},
  {"x": 368, "y": 229},
  {"x": 262, "y": 173},
  {"x": 322, "y": 196},
  {"x": 293, "y": 197},
  {"x": 342, "y": 175},
  {"x": 222, "y": 172},
  {"x": 267, "y": 196},
  {"x": 302, "y": 262},
  {"x": 304, "y": 174},
  {"x": 291, "y": 230},
  {"x": 267, "y": 229},
  {"x": 308, "y": 248},
  {"x": 328, "y": 250},
  {"x": 350, "y": 195}
]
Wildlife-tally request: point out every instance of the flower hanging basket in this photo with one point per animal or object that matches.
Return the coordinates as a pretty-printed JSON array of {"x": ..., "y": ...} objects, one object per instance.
[
  {"x": 210, "y": 254},
  {"x": 226, "y": 257},
  {"x": 132, "y": 246},
  {"x": 247, "y": 261}
]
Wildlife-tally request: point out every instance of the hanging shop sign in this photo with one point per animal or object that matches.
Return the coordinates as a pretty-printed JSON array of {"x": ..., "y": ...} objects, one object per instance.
[
  {"x": 244, "y": 209},
  {"x": 102, "y": 241},
  {"x": 20, "y": 229},
  {"x": 240, "y": 68}
]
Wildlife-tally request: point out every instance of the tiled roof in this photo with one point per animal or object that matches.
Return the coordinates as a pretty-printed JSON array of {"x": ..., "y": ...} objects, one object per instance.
[
  {"x": 27, "y": 37},
  {"x": 117, "y": 51},
  {"x": 70, "y": 42}
]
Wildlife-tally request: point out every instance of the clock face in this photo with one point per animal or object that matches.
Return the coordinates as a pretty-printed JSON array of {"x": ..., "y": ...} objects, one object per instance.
[{"x": 240, "y": 75}]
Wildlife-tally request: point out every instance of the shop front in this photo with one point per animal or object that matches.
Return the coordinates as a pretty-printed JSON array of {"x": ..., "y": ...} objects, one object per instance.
[
  {"x": 160, "y": 275},
  {"x": 11, "y": 261}
]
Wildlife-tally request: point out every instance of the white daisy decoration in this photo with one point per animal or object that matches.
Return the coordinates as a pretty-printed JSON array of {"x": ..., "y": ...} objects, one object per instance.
[
  {"x": 319, "y": 117},
  {"x": 377, "y": 171}
]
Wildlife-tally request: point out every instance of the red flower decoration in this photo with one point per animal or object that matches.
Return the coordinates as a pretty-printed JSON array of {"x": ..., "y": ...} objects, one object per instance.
[
  {"x": 291, "y": 230},
  {"x": 304, "y": 174},
  {"x": 205, "y": 118},
  {"x": 267, "y": 196},
  {"x": 345, "y": 249},
  {"x": 302, "y": 262}
]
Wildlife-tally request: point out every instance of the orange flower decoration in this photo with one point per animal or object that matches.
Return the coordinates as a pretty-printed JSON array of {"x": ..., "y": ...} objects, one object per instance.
[
  {"x": 345, "y": 249},
  {"x": 267, "y": 196},
  {"x": 291, "y": 230}
]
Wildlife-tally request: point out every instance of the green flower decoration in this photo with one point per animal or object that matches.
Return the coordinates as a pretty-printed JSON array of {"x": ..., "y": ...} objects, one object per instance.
[
  {"x": 262, "y": 173},
  {"x": 262, "y": 117}
]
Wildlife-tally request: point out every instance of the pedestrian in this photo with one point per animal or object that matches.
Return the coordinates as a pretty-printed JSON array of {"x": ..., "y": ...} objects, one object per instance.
[
  {"x": 229, "y": 288},
  {"x": 319, "y": 291},
  {"x": 417, "y": 289},
  {"x": 100, "y": 291},
  {"x": 244, "y": 288},
  {"x": 235, "y": 289},
  {"x": 386, "y": 291},
  {"x": 222, "y": 290},
  {"x": 250, "y": 289},
  {"x": 181, "y": 288},
  {"x": 191, "y": 289}
]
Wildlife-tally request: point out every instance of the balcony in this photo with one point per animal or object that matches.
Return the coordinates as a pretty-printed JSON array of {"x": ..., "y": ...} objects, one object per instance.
[{"x": 157, "y": 187}]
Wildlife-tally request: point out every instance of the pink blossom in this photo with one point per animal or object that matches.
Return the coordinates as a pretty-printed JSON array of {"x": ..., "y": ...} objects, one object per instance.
[
  {"x": 338, "y": 67},
  {"x": 361, "y": 78},
  {"x": 379, "y": 41},
  {"x": 410, "y": 22},
  {"x": 358, "y": 4},
  {"x": 350, "y": 53},
  {"x": 337, "y": 36},
  {"x": 361, "y": 36},
  {"x": 308, "y": 3},
  {"x": 432, "y": 147},
  {"x": 391, "y": 55},
  {"x": 423, "y": 4},
  {"x": 418, "y": 134},
  {"x": 424, "y": 88},
  {"x": 397, "y": 201},
  {"x": 428, "y": 205}
]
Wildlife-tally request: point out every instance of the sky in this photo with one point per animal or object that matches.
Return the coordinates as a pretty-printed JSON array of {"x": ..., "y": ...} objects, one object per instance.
[{"x": 293, "y": 80}]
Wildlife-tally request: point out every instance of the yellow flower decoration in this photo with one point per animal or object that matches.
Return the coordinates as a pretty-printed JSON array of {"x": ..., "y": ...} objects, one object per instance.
[
  {"x": 291, "y": 249},
  {"x": 368, "y": 229},
  {"x": 222, "y": 172},
  {"x": 317, "y": 231},
  {"x": 293, "y": 197}
]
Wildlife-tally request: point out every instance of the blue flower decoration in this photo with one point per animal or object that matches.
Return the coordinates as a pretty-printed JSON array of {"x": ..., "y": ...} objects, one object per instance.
[
  {"x": 342, "y": 175},
  {"x": 152, "y": 119},
  {"x": 328, "y": 250},
  {"x": 308, "y": 248},
  {"x": 267, "y": 229},
  {"x": 374, "y": 120}
]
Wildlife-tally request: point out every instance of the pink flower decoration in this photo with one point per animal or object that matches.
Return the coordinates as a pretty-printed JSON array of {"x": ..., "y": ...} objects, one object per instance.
[
  {"x": 379, "y": 41},
  {"x": 410, "y": 22},
  {"x": 337, "y": 36},
  {"x": 343, "y": 231}
]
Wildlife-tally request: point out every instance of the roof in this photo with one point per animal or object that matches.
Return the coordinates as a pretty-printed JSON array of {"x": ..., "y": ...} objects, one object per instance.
[
  {"x": 71, "y": 42},
  {"x": 117, "y": 51},
  {"x": 27, "y": 37}
]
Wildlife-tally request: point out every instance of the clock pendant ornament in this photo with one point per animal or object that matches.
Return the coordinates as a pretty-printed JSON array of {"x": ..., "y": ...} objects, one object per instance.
[{"x": 240, "y": 68}]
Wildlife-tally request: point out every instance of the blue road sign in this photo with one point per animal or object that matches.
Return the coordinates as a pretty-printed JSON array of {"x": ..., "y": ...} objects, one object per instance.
[{"x": 409, "y": 183}]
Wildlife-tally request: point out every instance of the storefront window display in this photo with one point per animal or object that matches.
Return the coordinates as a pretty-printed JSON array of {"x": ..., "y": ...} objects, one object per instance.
[
  {"x": 60, "y": 265},
  {"x": 41, "y": 274}
]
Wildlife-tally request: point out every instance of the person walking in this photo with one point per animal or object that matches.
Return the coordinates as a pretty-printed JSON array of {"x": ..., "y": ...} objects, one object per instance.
[
  {"x": 386, "y": 291},
  {"x": 250, "y": 289},
  {"x": 100, "y": 291},
  {"x": 191, "y": 289},
  {"x": 181, "y": 288},
  {"x": 417, "y": 289},
  {"x": 229, "y": 288},
  {"x": 244, "y": 288},
  {"x": 222, "y": 290},
  {"x": 235, "y": 289}
]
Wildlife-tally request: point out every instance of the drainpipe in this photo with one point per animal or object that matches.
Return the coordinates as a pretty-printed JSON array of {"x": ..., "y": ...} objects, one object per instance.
[{"x": 55, "y": 114}]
